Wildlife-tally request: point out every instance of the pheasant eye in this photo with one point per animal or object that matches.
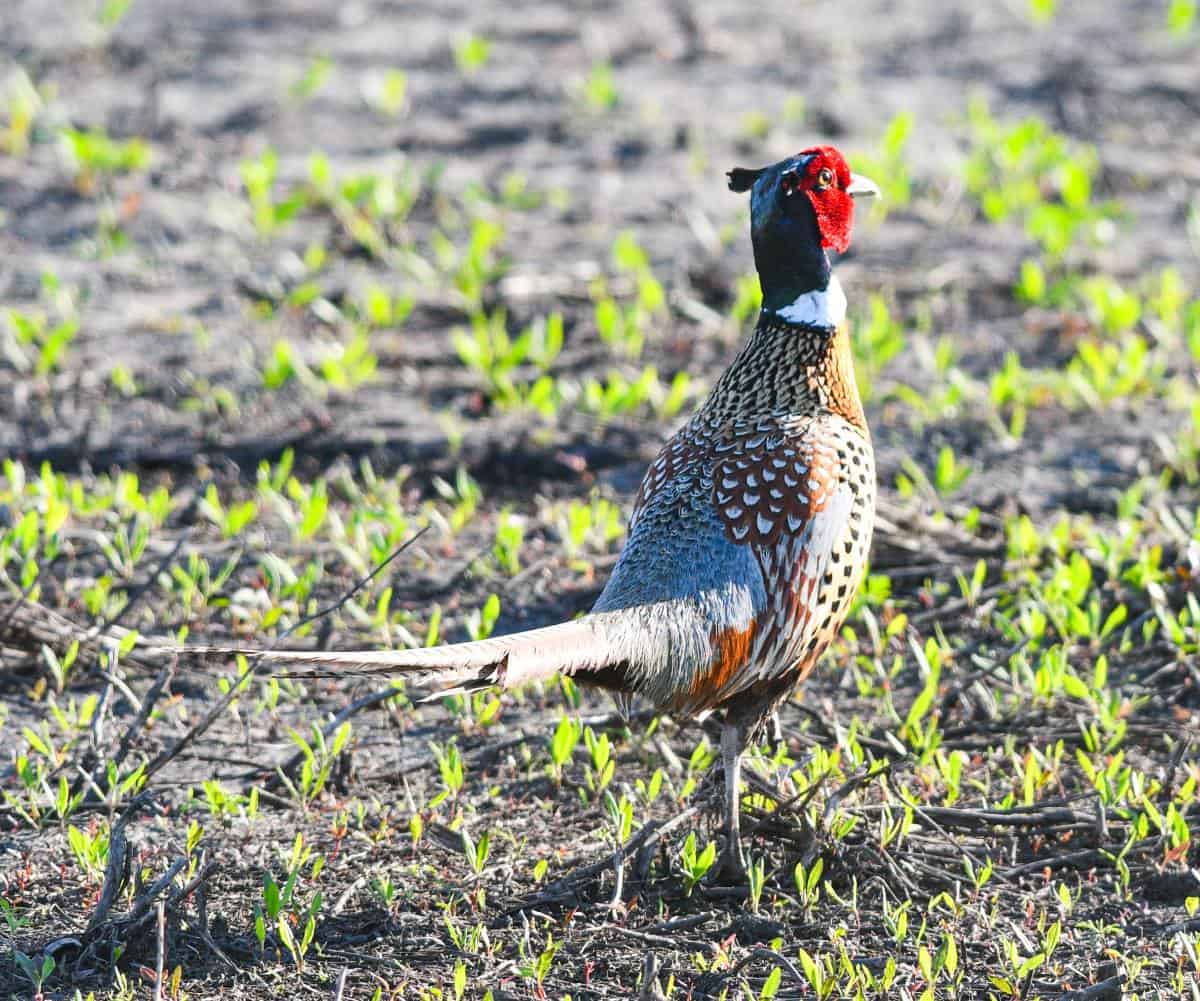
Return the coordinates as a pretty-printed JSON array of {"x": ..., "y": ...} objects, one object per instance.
[{"x": 824, "y": 177}]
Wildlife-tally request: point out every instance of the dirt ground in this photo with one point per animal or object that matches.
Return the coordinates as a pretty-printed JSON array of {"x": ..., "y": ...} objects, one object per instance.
[{"x": 579, "y": 123}]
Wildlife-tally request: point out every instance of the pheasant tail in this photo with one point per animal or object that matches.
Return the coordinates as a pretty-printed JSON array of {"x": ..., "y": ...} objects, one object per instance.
[{"x": 579, "y": 646}]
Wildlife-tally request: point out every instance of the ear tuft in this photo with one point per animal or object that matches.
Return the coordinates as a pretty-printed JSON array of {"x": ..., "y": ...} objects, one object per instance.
[{"x": 743, "y": 178}]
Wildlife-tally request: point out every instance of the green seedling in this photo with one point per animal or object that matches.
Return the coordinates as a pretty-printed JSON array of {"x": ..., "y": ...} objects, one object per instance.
[
  {"x": 20, "y": 105},
  {"x": 695, "y": 863},
  {"x": 316, "y": 75},
  {"x": 471, "y": 53},
  {"x": 387, "y": 94},
  {"x": 95, "y": 155},
  {"x": 888, "y": 165},
  {"x": 562, "y": 746},
  {"x": 599, "y": 88}
]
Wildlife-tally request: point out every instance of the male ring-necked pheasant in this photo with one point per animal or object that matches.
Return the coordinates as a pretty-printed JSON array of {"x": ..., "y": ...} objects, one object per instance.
[{"x": 750, "y": 532}]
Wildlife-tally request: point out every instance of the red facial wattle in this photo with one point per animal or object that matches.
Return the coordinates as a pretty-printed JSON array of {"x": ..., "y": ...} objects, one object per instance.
[
  {"x": 831, "y": 201},
  {"x": 835, "y": 217}
]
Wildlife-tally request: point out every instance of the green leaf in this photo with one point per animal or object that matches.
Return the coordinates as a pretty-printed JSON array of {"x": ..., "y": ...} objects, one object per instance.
[
  {"x": 36, "y": 742},
  {"x": 1074, "y": 687},
  {"x": 1031, "y": 964},
  {"x": 948, "y": 955}
]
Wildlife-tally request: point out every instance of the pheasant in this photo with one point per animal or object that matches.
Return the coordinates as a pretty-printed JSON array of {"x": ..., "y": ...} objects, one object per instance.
[{"x": 750, "y": 533}]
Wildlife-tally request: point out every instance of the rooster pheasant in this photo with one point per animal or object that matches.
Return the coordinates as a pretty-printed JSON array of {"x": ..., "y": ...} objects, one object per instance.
[{"x": 750, "y": 532}]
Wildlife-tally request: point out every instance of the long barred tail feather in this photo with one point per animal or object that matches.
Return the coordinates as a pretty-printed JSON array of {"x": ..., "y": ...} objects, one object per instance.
[{"x": 506, "y": 661}]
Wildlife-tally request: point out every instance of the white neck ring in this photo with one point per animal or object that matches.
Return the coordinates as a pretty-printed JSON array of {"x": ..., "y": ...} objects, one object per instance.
[{"x": 819, "y": 308}]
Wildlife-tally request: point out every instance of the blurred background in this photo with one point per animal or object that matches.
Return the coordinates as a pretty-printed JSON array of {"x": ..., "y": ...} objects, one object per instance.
[
  {"x": 283, "y": 282},
  {"x": 267, "y": 218}
]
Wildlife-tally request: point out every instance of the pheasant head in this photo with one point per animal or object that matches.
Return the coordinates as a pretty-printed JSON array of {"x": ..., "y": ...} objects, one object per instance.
[{"x": 800, "y": 208}]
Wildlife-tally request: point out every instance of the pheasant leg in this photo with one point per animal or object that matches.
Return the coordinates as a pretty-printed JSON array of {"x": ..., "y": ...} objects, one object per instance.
[{"x": 732, "y": 863}]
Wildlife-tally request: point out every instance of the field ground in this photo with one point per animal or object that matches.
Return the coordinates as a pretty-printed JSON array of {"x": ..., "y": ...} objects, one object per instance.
[{"x": 286, "y": 283}]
